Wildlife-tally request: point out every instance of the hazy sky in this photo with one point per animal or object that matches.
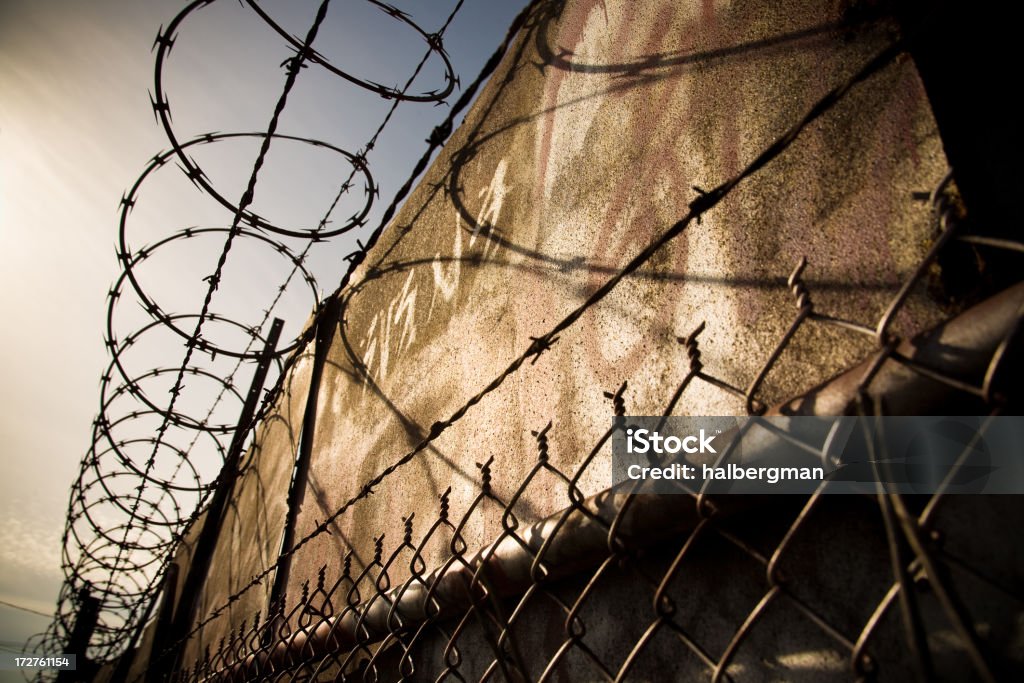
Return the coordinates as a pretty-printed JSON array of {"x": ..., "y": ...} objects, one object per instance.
[{"x": 76, "y": 129}]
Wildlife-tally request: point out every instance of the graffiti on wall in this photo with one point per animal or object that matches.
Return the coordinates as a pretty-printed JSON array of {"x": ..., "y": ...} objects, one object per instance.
[{"x": 391, "y": 331}]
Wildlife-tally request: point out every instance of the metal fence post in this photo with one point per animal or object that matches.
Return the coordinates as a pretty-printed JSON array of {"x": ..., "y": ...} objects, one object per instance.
[
  {"x": 208, "y": 536},
  {"x": 81, "y": 634}
]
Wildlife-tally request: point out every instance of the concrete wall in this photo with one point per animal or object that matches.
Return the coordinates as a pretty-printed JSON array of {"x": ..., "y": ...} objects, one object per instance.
[{"x": 583, "y": 148}]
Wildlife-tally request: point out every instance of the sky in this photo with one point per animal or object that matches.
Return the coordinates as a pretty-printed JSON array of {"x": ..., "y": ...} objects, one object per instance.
[{"x": 77, "y": 129}]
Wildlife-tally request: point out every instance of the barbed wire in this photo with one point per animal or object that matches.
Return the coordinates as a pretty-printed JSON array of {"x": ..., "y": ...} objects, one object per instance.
[
  {"x": 158, "y": 496},
  {"x": 704, "y": 202},
  {"x": 284, "y": 652}
]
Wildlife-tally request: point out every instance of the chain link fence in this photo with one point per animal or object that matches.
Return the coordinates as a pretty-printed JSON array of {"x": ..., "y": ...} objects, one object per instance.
[{"x": 625, "y": 585}]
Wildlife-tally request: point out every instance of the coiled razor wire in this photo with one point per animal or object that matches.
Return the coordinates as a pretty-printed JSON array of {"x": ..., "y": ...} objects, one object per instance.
[{"x": 138, "y": 487}]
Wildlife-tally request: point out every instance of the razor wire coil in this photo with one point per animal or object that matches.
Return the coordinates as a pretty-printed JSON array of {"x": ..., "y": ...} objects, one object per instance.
[{"x": 136, "y": 494}]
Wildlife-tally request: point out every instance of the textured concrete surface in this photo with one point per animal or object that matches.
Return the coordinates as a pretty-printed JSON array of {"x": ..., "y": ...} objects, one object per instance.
[{"x": 584, "y": 147}]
